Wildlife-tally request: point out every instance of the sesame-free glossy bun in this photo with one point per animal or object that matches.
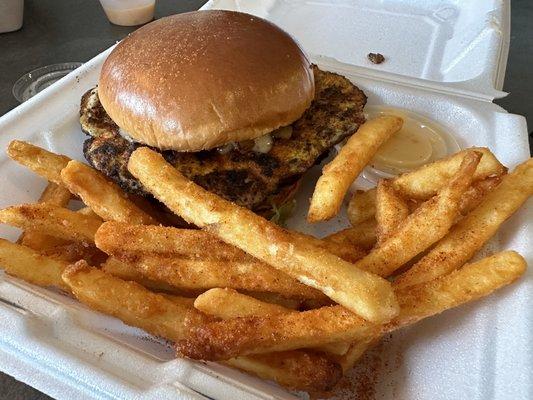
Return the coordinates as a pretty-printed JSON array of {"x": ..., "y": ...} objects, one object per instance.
[{"x": 199, "y": 80}]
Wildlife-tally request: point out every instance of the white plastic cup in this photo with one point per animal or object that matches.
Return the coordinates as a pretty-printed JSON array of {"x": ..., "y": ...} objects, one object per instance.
[
  {"x": 129, "y": 12},
  {"x": 11, "y": 13}
]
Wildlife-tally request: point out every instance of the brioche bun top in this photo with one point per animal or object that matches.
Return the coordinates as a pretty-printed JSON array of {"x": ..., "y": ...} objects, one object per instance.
[{"x": 199, "y": 80}]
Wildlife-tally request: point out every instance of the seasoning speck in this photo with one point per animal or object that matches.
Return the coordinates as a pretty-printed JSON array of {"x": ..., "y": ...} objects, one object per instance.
[{"x": 376, "y": 58}]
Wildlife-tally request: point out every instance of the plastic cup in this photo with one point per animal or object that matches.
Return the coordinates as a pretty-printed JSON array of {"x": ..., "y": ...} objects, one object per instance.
[
  {"x": 129, "y": 12},
  {"x": 11, "y": 13}
]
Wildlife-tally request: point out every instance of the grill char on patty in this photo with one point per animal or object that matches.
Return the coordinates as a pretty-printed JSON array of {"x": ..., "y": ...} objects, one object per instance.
[{"x": 245, "y": 177}]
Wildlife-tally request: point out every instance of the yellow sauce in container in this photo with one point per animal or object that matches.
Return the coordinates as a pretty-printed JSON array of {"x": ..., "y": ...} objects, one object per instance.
[{"x": 420, "y": 141}]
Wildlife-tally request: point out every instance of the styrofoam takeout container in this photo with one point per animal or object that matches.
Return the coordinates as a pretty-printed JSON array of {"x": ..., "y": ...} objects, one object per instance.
[{"x": 446, "y": 61}]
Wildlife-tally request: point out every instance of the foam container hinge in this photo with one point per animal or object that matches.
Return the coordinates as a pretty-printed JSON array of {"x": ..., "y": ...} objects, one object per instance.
[{"x": 479, "y": 351}]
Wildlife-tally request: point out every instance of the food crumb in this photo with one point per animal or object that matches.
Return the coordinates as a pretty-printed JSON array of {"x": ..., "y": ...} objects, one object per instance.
[{"x": 376, "y": 58}]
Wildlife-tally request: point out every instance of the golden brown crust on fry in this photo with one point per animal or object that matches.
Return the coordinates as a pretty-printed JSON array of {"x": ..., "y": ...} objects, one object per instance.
[
  {"x": 425, "y": 226},
  {"x": 363, "y": 235},
  {"x": 296, "y": 370},
  {"x": 103, "y": 196},
  {"x": 131, "y": 302},
  {"x": 243, "y": 336},
  {"x": 363, "y": 292},
  {"x": 25, "y": 263},
  {"x": 391, "y": 210},
  {"x": 53, "y": 220},
  {"x": 41, "y": 161},
  {"x": 466, "y": 284},
  {"x": 52, "y": 194},
  {"x": 475, "y": 229},
  {"x": 339, "y": 174}
]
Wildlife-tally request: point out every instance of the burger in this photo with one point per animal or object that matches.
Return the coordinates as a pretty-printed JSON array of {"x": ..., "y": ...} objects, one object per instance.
[{"x": 229, "y": 99}]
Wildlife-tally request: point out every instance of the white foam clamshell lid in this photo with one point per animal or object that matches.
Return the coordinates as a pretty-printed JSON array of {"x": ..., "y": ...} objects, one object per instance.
[{"x": 479, "y": 351}]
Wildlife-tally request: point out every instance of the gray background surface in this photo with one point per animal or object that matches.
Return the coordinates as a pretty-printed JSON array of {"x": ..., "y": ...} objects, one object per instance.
[{"x": 76, "y": 30}]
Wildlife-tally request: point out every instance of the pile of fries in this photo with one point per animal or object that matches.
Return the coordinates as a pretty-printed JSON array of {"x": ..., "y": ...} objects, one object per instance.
[{"x": 243, "y": 291}]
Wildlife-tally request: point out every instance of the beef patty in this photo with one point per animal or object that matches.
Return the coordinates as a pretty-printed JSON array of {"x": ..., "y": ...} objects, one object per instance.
[{"x": 246, "y": 177}]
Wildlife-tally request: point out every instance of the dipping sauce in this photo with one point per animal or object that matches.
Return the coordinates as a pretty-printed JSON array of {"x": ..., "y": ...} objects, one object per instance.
[
  {"x": 129, "y": 13},
  {"x": 420, "y": 141}
]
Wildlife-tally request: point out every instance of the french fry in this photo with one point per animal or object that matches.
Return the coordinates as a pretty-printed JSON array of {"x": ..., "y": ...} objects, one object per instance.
[
  {"x": 362, "y": 206},
  {"x": 362, "y": 235},
  {"x": 215, "y": 258},
  {"x": 103, "y": 196},
  {"x": 297, "y": 369},
  {"x": 52, "y": 194},
  {"x": 429, "y": 223},
  {"x": 360, "y": 291},
  {"x": 339, "y": 174},
  {"x": 254, "y": 335},
  {"x": 131, "y": 303},
  {"x": 198, "y": 274},
  {"x": 356, "y": 350},
  {"x": 391, "y": 211},
  {"x": 429, "y": 179},
  {"x": 52, "y": 220},
  {"x": 471, "y": 282},
  {"x": 41, "y": 161},
  {"x": 75, "y": 251},
  {"x": 55, "y": 194},
  {"x": 293, "y": 304},
  {"x": 118, "y": 237},
  {"x": 474, "y": 230},
  {"x": 128, "y": 272},
  {"x": 349, "y": 252},
  {"x": 115, "y": 236},
  {"x": 228, "y": 303},
  {"x": 90, "y": 213},
  {"x": 27, "y": 264},
  {"x": 172, "y": 316},
  {"x": 477, "y": 192}
]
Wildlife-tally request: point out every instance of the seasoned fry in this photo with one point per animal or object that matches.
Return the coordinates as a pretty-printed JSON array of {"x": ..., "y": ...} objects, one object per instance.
[
  {"x": 90, "y": 213},
  {"x": 53, "y": 220},
  {"x": 55, "y": 194},
  {"x": 362, "y": 206},
  {"x": 103, "y": 196},
  {"x": 298, "y": 369},
  {"x": 254, "y": 335},
  {"x": 468, "y": 283},
  {"x": 362, "y": 235},
  {"x": 285, "y": 302},
  {"x": 129, "y": 272},
  {"x": 115, "y": 237},
  {"x": 350, "y": 253},
  {"x": 477, "y": 192},
  {"x": 429, "y": 223},
  {"x": 131, "y": 303},
  {"x": 474, "y": 230},
  {"x": 74, "y": 251},
  {"x": 429, "y": 179},
  {"x": 41, "y": 161},
  {"x": 31, "y": 266},
  {"x": 198, "y": 274},
  {"x": 118, "y": 237},
  {"x": 360, "y": 291},
  {"x": 52, "y": 194},
  {"x": 228, "y": 303},
  {"x": 339, "y": 174},
  {"x": 391, "y": 211},
  {"x": 356, "y": 350}
]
